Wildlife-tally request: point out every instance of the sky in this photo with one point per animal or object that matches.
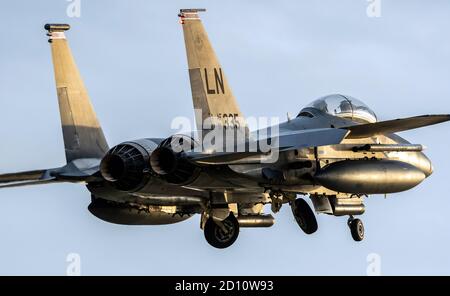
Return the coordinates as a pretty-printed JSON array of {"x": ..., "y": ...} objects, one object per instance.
[{"x": 278, "y": 58}]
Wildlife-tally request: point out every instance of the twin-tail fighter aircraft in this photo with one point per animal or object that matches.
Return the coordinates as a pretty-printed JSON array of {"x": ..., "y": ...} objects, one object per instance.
[{"x": 335, "y": 152}]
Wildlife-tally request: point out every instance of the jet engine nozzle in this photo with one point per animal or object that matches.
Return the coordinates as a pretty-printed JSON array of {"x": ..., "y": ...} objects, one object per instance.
[
  {"x": 169, "y": 160},
  {"x": 126, "y": 167},
  {"x": 112, "y": 167},
  {"x": 164, "y": 160}
]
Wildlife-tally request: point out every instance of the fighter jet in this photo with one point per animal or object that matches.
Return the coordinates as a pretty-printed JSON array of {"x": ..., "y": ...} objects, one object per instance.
[{"x": 335, "y": 152}]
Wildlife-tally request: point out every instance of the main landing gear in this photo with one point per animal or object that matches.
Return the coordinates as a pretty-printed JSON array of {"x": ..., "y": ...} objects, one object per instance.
[
  {"x": 356, "y": 228},
  {"x": 222, "y": 234},
  {"x": 304, "y": 216}
]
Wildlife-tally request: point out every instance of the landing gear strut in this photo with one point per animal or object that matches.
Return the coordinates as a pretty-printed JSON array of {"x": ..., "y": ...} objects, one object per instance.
[
  {"x": 356, "y": 228},
  {"x": 304, "y": 216},
  {"x": 222, "y": 234}
]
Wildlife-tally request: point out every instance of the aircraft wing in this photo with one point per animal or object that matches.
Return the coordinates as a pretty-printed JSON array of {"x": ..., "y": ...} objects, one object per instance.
[
  {"x": 393, "y": 126},
  {"x": 284, "y": 141}
]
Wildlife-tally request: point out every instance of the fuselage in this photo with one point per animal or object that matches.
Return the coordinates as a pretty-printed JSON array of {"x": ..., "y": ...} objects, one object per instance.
[{"x": 293, "y": 171}]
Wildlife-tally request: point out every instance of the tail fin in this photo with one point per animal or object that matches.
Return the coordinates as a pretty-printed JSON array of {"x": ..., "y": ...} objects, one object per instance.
[
  {"x": 83, "y": 136},
  {"x": 84, "y": 141},
  {"x": 210, "y": 90}
]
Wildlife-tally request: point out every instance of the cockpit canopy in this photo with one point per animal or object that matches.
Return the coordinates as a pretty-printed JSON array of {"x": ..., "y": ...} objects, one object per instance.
[{"x": 343, "y": 106}]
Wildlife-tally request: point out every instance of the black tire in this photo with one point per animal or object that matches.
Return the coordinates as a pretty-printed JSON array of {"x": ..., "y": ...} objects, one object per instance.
[
  {"x": 357, "y": 229},
  {"x": 216, "y": 237},
  {"x": 304, "y": 216}
]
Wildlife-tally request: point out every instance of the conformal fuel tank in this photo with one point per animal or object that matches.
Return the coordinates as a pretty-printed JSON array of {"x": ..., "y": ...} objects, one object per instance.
[{"x": 369, "y": 176}]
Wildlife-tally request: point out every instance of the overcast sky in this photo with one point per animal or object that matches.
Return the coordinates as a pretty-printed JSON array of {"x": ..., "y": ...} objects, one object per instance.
[{"x": 278, "y": 57}]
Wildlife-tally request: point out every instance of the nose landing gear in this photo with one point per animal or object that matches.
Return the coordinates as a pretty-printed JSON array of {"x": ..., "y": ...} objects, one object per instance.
[{"x": 356, "y": 228}]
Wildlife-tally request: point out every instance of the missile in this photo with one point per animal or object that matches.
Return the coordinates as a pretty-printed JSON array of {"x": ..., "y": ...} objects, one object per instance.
[
  {"x": 369, "y": 176},
  {"x": 389, "y": 147}
]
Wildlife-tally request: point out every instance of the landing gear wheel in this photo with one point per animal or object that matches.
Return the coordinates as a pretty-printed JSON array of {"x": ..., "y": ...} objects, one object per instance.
[
  {"x": 222, "y": 237},
  {"x": 304, "y": 216},
  {"x": 356, "y": 229}
]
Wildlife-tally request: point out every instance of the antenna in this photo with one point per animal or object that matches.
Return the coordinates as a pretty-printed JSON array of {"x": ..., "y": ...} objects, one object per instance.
[
  {"x": 190, "y": 14},
  {"x": 57, "y": 27},
  {"x": 192, "y": 10}
]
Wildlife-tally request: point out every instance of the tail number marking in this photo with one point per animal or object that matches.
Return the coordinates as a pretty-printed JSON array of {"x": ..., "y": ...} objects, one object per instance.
[
  {"x": 218, "y": 82},
  {"x": 231, "y": 120}
]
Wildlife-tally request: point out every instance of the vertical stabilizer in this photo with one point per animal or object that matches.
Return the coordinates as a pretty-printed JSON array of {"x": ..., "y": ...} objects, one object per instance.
[
  {"x": 83, "y": 136},
  {"x": 210, "y": 89}
]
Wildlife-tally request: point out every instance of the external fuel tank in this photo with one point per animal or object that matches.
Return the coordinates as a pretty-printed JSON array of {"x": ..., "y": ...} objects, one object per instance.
[{"x": 369, "y": 176}]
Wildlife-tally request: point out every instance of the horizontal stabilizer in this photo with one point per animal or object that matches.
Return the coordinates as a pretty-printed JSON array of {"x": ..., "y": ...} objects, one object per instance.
[
  {"x": 394, "y": 126},
  {"x": 25, "y": 178},
  {"x": 22, "y": 176},
  {"x": 28, "y": 183},
  {"x": 79, "y": 170}
]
